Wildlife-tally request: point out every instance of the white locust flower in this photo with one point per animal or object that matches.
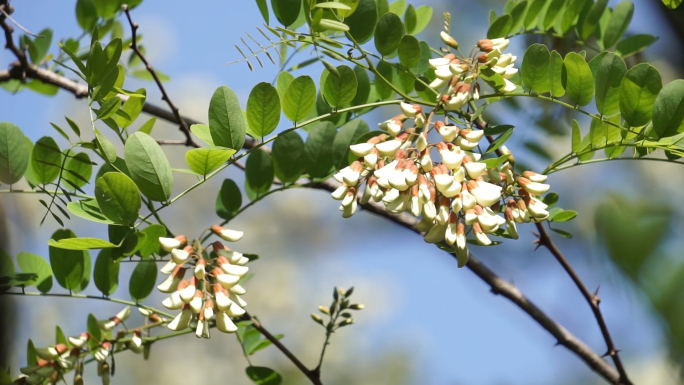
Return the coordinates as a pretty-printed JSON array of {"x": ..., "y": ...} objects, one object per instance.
[{"x": 226, "y": 234}]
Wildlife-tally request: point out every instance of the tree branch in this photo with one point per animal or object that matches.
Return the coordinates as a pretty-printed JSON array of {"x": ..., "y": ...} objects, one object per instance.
[
  {"x": 185, "y": 129},
  {"x": 498, "y": 285}
]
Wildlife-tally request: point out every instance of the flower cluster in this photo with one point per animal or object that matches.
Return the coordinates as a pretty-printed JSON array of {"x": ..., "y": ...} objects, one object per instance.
[
  {"x": 211, "y": 291},
  {"x": 54, "y": 361},
  {"x": 461, "y": 191}
]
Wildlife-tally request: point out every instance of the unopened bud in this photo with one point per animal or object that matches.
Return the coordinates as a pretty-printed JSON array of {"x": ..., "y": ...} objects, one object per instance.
[{"x": 448, "y": 40}]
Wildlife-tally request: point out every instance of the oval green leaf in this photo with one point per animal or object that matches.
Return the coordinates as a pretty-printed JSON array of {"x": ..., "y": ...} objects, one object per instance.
[
  {"x": 259, "y": 171},
  {"x": 340, "y": 90},
  {"x": 388, "y": 33},
  {"x": 14, "y": 153},
  {"x": 288, "y": 157},
  {"x": 300, "y": 98},
  {"x": 263, "y": 376},
  {"x": 88, "y": 209},
  {"x": 591, "y": 21},
  {"x": 263, "y": 109},
  {"x": 618, "y": 23},
  {"x": 668, "y": 110},
  {"x": 500, "y": 27},
  {"x": 106, "y": 273},
  {"x": 535, "y": 68},
  {"x": 205, "y": 160},
  {"x": 556, "y": 75},
  {"x": 286, "y": 11},
  {"x": 634, "y": 44},
  {"x": 143, "y": 279},
  {"x": 228, "y": 200},
  {"x": 71, "y": 268},
  {"x": 151, "y": 244},
  {"x": 118, "y": 197},
  {"x": 77, "y": 170},
  {"x": 346, "y": 136},
  {"x": 318, "y": 159},
  {"x": 362, "y": 22},
  {"x": 577, "y": 79},
  {"x": 609, "y": 75},
  {"x": 226, "y": 123},
  {"x": 409, "y": 51},
  {"x": 46, "y": 160},
  {"x": 148, "y": 166},
  {"x": 638, "y": 92},
  {"x": 32, "y": 263}
]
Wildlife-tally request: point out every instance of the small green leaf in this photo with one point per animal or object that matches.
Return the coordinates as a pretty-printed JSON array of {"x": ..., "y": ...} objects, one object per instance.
[
  {"x": 80, "y": 244},
  {"x": 497, "y": 129},
  {"x": 148, "y": 125},
  {"x": 499, "y": 141},
  {"x": 263, "y": 376},
  {"x": 340, "y": 89},
  {"x": 563, "y": 216},
  {"x": 550, "y": 199},
  {"x": 672, "y": 4},
  {"x": 423, "y": 17},
  {"x": 263, "y": 109},
  {"x": 618, "y": 23},
  {"x": 288, "y": 157},
  {"x": 362, "y": 22},
  {"x": 577, "y": 79},
  {"x": 32, "y": 263},
  {"x": 562, "y": 233},
  {"x": 151, "y": 244},
  {"x": 106, "y": 147},
  {"x": 132, "y": 107},
  {"x": 300, "y": 98},
  {"x": 263, "y": 8},
  {"x": 88, "y": 209},
  {"x": 202, "y": 132},
  {"x": 500, "y": 27},
  {"x": 364, "y": 86},
  {"x": 552, "y": 12},
  {"x": 118, "y": 197},
  {"x": 638, "y": 92},
  {"x": 71, "y": 268},
  {"x": 226, "y": 122},
  {"x": 388, "y": 33},
  {"x": 282, "y": 82},
  {"x": 532, "y": 15},
  {"x": 318, "y": 159},
  {"x": 556, "y": 75},
  {"x": 286, "y": 11},
  {"x": 591, "y": 21},
  {"x": 409, "y": 51},
  {"x": 205, "y": 160},
  {"x": 46, "y": 160},
  {"x": 106, "y": 273},
  {"x": 148, "y": 166},
  {"x": 352, "y": 4},
  {"x": 346, "y": 136},
  {"x": 634, "y": 44},
  {"x": 668, "y": 109},
  {"x": 383, "y": 79},
  {"x": 228, "y": 200},
  {"x": 576, "y": 137},
  {"x": 77, "y": 170},
  {"x": 86, "y": 14},
  {"x": 143, "y": 279},
  {"x": 609, "y": 75},
  {"x": 535, "y": 68},
  {"x": 259, "y": 171},
  {"x": 14, "y": 153}
]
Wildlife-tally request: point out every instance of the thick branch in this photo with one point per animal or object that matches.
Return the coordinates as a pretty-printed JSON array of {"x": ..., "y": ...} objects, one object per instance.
[
  {"x": 497, "y": 284},
  {"x": 185, "y": 129}
]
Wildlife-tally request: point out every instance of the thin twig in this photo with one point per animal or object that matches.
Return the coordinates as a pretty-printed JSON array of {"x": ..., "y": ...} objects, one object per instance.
[
  {"x": 276, "y": 342},
  {"x": 26, "y": 31},
  {"x": 9, "y": 43},
  {"x": 592, "y": 299},
  {"x": 185, "y": 129}
]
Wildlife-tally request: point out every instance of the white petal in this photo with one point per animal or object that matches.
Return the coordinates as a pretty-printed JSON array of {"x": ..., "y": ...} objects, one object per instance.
[
  {"x": 224, "y": 323},
  {"x": 361, "y": 149}
]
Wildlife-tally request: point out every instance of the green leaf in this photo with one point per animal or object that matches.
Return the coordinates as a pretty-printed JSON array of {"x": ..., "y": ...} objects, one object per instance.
[
  {"x": 40, "y": 46},
  {"x": 132, "y": 107},
  {"x": 205, "y": 160},
  {"x": 388, "y": 33},
  {"x": 554, "y": 9},
  {"x": 300, "y": 98},
  {"x": 383, "y": 79},
  {"x": 263, "y": 8},
  {"x": 577, "y": 79},
  {"x": 591, "y": 21},
  {"x": 497, "y": 129},
  {"x": 80, "y": 244},
  {"x": 597, "y": 133},
  {"x": 259, "y": 171},
  {"x": 32, "y": 263},
  {"x": 149, "y": 124},
  {"x": 77, "y": 170},
  {"x": 423, "y": 17},
  {"x": 571, "y": 14},
  {"x": 634, "y": 44},
  {"x": 362, "y": 22},
  {"x": 576, "y": 137},
  {"x": 556, "y": 75},
  {"x": 106, "y": 8},
  {"x": 563, "y": 216},
  {"x": 364, "y": 86},
  {"x": 518, "y": 16},
  {"x": 618, "y": 23},
  {"x": 106, "y": 273},
  {"x": 42, "y": 88},
  {"x": 410, "y": 19},
  {"x": 46, "y": 160},
  {"x": 500, "y": 27},
  {"x": 14, "y": 153},
  {"x": 672, "y": 4},
  {"x": 286, "y": 11},
  {"x": 151, "y": 244},
  {"x": 106, "y": 147},
  {"x": 96, "y": 334},
  {"x": 383, "y": 6},
  {"x": 496, "y": 162},
  {"x": 551, "y": 199},
  {"x": 499, "y": 141},
  {"x": 346, "y": 136},
  {"x": 86, "y": 15},
  {"x": 71, "y": 268},
  {"x": 118, "y": 197},
  {"x": 333, "y": 5},
  {"x": 60, "y": 131},
  {"x": 88, "y": 209},
  {"x": 668, "y": 109},
  {"x": 532, "y": 15},
  {"x": 228, "y": 200},
  {"x": 226, "y": 122},
  {"x": 6, "y": 263},
  {"x": 288, "y": 157},
  {"x": 340, "y": 90},
  {"x": 263, "y": 376},
  {"x": 318, "y": 159},
  {"x": 638, "y": 92},
  {"x": 409, "y": 51},
  {"x": 282, "y": 82},
  {"x": 143, "y": 279},
  {"x": 535, "y": 68},
  {"x": 562, "y": 233},
  {"x": 148, "y": 167},
  {"x": 398, "y": 7},
  {"x": 609, "y": 75},
  {"x": 202, "y": 132}
]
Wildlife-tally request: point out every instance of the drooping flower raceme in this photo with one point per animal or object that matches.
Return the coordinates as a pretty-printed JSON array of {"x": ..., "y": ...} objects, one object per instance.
[{"x": 204, "y": 285}]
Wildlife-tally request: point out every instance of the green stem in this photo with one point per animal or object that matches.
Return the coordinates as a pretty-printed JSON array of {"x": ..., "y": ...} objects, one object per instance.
[
  {"x": 48, "y": 192},
  {"x": 580, "y": 163},
  {"x": 82, "y": 296}
]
